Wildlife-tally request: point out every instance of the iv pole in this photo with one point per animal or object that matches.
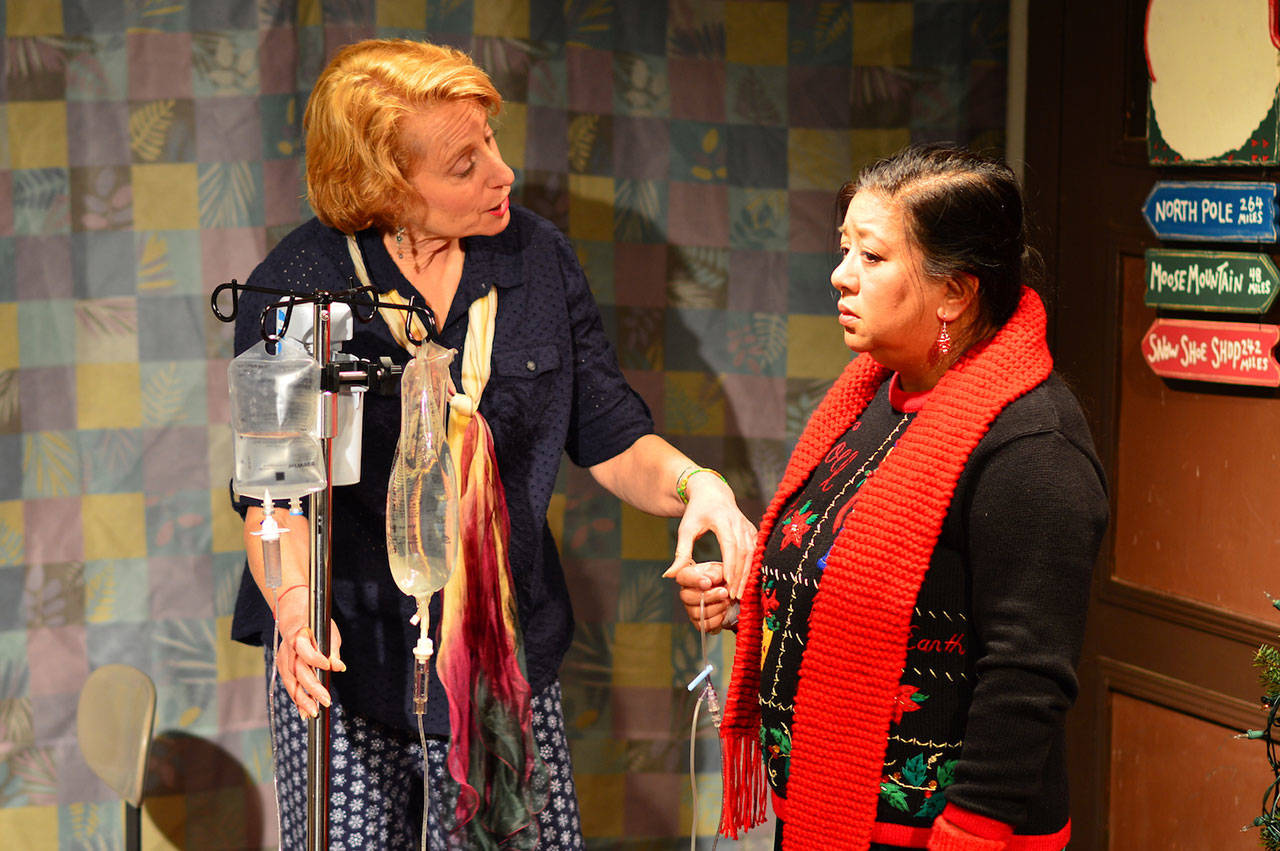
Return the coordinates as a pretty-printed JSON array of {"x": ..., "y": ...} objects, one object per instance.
[
  {"x": 383, "y": 376},
  {"x": 320, "y": 576}
]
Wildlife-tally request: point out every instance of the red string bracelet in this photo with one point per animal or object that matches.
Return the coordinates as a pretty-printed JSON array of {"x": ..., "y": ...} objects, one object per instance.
[{"x": 280, "y": 596}]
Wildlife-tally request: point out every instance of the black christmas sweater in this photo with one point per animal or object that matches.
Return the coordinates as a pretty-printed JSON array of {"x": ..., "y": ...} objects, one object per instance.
[{"x": 1013, "y": 501}]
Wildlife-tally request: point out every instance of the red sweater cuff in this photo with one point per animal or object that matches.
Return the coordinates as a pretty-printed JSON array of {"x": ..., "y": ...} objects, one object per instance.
[{"x": 982, "y": 827}]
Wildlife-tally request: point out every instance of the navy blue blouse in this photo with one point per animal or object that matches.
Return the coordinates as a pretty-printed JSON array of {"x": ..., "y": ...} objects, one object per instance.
[{"x": 555, "y": 387}]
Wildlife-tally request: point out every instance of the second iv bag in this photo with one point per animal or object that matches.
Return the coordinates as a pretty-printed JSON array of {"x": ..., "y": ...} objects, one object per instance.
[
  {"x": 274, "y": 415},
  {"x": 422, "y": 498}
]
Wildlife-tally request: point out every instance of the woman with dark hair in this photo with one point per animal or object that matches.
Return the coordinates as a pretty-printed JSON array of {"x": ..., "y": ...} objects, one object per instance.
[
  {"x": 908, "y": 637},
  {"x": 413, "y": 197}
]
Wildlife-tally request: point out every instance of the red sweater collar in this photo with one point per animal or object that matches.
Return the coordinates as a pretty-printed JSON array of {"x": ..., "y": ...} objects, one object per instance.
[{"x": 879, "y": 557}]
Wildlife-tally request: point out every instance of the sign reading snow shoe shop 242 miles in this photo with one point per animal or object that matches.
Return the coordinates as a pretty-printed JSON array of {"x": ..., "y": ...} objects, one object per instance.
[
  {"x": 1223, "y": 352},
  {"x": 1225, "y": 281},
  {"x": 1212, "y": 212}
]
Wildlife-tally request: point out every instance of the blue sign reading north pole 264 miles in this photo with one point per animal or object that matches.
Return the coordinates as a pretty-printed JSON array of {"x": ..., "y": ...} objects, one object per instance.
[{"x": 1212, "y": 211}]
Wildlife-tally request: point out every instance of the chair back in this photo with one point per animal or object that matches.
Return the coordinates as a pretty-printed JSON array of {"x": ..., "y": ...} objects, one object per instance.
[{"x": 114, "y": 721}]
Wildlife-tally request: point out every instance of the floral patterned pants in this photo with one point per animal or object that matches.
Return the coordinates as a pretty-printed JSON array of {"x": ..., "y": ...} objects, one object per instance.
[{"x": 375, "y": 780}]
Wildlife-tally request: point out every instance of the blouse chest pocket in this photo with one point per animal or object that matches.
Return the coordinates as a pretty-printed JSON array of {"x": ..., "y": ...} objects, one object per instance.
[
  {"x": 525, "y": 388},
  {"x": 526, "y": 363}
]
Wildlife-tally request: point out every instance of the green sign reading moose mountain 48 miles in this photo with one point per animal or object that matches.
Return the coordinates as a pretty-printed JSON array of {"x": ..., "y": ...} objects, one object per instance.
[{"x": 1226, "y": 281}]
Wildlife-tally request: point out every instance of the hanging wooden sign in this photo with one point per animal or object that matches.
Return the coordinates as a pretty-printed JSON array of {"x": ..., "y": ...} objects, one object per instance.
[
  {"x": 1221, "y": 352},
  {"x": 1212, "y": 211},
  {"x": 1214, "y": 76},
  {"x": 1226, "y": 281}
]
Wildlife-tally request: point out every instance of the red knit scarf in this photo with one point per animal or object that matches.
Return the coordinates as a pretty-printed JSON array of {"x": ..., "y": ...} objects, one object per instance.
[{"x": 855, "y": 653}]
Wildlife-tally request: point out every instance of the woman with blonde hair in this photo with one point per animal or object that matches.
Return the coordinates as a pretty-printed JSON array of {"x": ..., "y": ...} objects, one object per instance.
[{"x": 411, "y": 192}]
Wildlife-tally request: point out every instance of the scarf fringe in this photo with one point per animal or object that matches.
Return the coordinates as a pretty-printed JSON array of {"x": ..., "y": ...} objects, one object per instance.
[{"x": 746, "y": 793}]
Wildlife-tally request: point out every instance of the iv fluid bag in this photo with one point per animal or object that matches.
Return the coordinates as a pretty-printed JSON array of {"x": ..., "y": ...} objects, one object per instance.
[
  {"x": 422, "y": 498},
  {"x": 274, "y": 415}
]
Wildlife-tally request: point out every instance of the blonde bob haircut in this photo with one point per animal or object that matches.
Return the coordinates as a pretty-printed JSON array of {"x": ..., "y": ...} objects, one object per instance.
[{"x": 358, "y": 162}]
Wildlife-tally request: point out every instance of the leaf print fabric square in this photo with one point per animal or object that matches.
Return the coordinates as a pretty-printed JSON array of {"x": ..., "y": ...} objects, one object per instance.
[
  {"x": 641, "y": 344},
  {"x": 35, "y": 63},
  {"x": 162, "y": 130},
  {"x": 698, "y": 152},
  {"x": 758, "y": 218},
  {"x": 693, "y": 403},
  {"x": 49, "y": 466},
  {"x": 53, "y": 595},
  {"x": 590, "y": 143},
  {"x": 881, "y": 96},
  {"x": 41, "y": 206},
  {"x": 101, "y": 198},
  {"x": 224, "y": 63},
  {"x": 110, "y": 460},
  {"x": 697, "y": 276},
  {"x": 37, "y": 134},
  {"x": 117, "y": 591},
  {"x": 756, "y": 95},
  {"x": 173, "y": 391},
  {"x": 230, "y": 194},
  {"x": 167, "y": 262},
  {"x": 640, "y": 85},
  {"x": 821, "y": 33},
  {"x": 639, "y": 212}
]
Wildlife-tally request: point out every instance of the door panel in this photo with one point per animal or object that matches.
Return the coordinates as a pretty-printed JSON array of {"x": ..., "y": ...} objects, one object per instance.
[
  {"x": 1191, "y": 794},
  {"x": 1195, "y": 473}
]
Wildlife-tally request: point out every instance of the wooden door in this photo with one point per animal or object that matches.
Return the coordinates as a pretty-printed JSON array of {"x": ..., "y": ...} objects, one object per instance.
[{"x": 1180, "y": 595}]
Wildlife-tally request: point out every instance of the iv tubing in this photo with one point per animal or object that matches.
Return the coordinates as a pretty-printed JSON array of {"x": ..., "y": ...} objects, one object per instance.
[
  {"x": 421, "y": 656},
  {"x": 713, "y": 705}
]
